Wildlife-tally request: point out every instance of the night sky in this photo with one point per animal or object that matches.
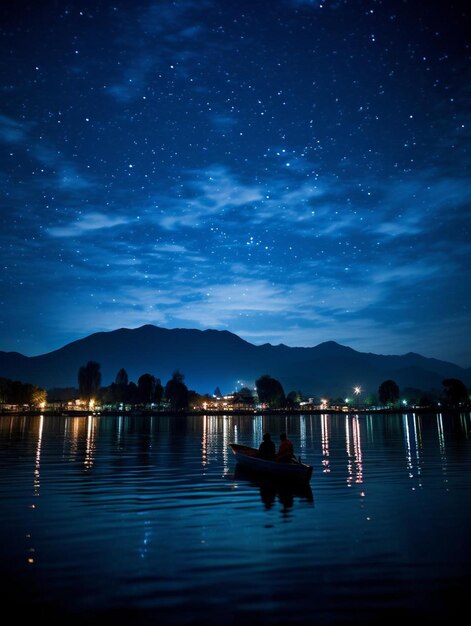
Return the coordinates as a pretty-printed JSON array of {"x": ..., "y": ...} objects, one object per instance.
[{"x": 293, "y": 171}]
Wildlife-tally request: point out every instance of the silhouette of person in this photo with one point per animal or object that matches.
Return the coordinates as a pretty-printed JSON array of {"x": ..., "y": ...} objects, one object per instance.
[
  {"x": 267, "y": 449},
  {"x": 286, "y": 450}
]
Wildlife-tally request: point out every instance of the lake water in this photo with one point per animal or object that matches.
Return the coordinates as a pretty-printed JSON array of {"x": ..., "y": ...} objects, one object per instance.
[{"x": 149, "y": 520}]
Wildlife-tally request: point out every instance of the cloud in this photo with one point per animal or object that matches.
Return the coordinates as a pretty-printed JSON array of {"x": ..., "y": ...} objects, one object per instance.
[
  {"x": 12, "y": 131},
  {"x": 165, "y": 37},
  {"x": 223, "y": 122},
  {"x": 190, "y": 32},
  {"x": 69, "y": 178},
  {"x": 220, "y": 304},
  {"x": 217, "y": 193},
  {"x": 171, "y": 248},
  {"x": 415, "y": 204},
  {"x": 403, "y": 227},
  {"x": 88, "y": 223},
  {"x": 60, "y": 172},
  {"x": 209, "y": 192},
  {"x": 162, "y": 17},
  {"x": 134, "y": 79}
]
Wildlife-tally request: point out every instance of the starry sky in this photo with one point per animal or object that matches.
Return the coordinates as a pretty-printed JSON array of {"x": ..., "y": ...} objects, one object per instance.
[{"x": 294, "y": 171}]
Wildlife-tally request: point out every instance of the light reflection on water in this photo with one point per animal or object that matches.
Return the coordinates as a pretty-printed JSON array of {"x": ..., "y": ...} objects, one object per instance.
[{"x": 151, "y": 517}]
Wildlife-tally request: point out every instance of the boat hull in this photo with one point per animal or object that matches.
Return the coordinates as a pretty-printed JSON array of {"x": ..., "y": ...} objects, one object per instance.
[{"x": 247, "y": 458}]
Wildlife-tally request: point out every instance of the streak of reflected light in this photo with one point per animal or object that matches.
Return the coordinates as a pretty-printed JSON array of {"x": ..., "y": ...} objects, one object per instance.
[
  {"x": 349, "y": 452},
  {"x": 226, "y": 431},
  {"x": 354, "y": 451},
  {"x": 257, "y": 431},
  {"x": 302, "y": 436},
  {"x": 204, "y": 442},
  {"x": 441, "y": 443},
  {"x": 418, "y": 444},
  {"x": 37, "y": 462},
  {"x": 405, "y": 422},
  {"x": 325, "y": 442},
  {"x": 91, "y": 444},
  {"x": 357, "y": 450}
]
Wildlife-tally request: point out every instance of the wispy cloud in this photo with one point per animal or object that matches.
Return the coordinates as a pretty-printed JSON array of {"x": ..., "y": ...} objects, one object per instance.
[
  {"x": 209, "y": 192},
  {"x": 87, "y": 223},
  {"x": 223, "y": 122},
  {"x": 12, "y": 131},
  {"x": 171, "y": 248},
  {"x": 56, "y": 170},
  {"x": 70, "y": 178},
  {"x": 164, "y": 16},
  {"x": 134, "y": 79},
  {"x": 162, "y": 38},
  {"x": 403, "y": 226},
  {"x": 412, "y": 272}
]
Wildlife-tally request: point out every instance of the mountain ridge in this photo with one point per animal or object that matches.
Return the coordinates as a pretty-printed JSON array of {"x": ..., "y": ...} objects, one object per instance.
[{"x": 219, "y": 358}]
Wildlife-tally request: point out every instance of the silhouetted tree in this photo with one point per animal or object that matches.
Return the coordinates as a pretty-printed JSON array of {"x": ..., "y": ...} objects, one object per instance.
[
  {"x": 455, "y": 392},
  {"x": 158, "y": 391},
  {"x": 17, "y": 392},
  {"x": 293, "y": 399},
  {"x": 118, "y": 390},
  {"x": 89, "y": 380},
  {"x": 270, "y": 391},
  {"x": 122, "y": 378},
  {"x": 176, "y": 392},
  {"x": 146, "y": 388},
  {"x": 412, "y": 395},
  {"x": 217, "y": 392},
  {"x": 132, "y": 394},
  {"x": 197, "y": 400},
  {"x": 388, "y": 392}
]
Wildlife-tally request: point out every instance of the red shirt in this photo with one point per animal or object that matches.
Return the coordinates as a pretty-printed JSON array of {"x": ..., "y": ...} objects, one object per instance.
[{"x": 286, "y": 448}]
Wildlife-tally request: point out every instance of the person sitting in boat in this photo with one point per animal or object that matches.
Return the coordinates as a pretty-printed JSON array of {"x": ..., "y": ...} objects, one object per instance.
[
  {"x": 286, "y": 451},
  {"x": 267, "y": 449}
]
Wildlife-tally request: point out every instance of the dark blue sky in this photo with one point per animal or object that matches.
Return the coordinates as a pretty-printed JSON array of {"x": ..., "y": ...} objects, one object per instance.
[{"x": 292, "y": 171}]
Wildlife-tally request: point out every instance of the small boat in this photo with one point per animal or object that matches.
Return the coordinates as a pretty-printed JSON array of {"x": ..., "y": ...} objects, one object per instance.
[{"x": 247, "y": 457}]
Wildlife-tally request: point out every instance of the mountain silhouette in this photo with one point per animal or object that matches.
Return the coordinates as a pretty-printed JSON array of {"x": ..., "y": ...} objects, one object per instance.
[{"x": 214, "y": 358}]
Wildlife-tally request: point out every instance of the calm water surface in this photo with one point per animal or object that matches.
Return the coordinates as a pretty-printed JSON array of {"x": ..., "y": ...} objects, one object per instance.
[{"x": 150, "y": 521}]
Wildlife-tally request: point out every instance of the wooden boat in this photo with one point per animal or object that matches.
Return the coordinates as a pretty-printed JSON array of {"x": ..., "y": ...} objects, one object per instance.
[{"x": 247, "y": 457}]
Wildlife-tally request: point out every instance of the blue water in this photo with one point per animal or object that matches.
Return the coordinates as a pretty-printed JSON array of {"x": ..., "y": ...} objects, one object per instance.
[{"x": 149, "y": 520}]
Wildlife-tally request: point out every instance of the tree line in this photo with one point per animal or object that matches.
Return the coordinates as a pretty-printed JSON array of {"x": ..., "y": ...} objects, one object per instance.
[
  {"x": 454, "y": 394},
  {"x": 270, "y": 392},
  {"x": 176, "y": 395},
  {"x": 18, "y": 393},
  {"x": 148, "y": 391}
]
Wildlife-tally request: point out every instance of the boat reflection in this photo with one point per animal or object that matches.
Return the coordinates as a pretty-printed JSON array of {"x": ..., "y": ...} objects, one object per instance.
[{"x": 273, "y": 489}]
